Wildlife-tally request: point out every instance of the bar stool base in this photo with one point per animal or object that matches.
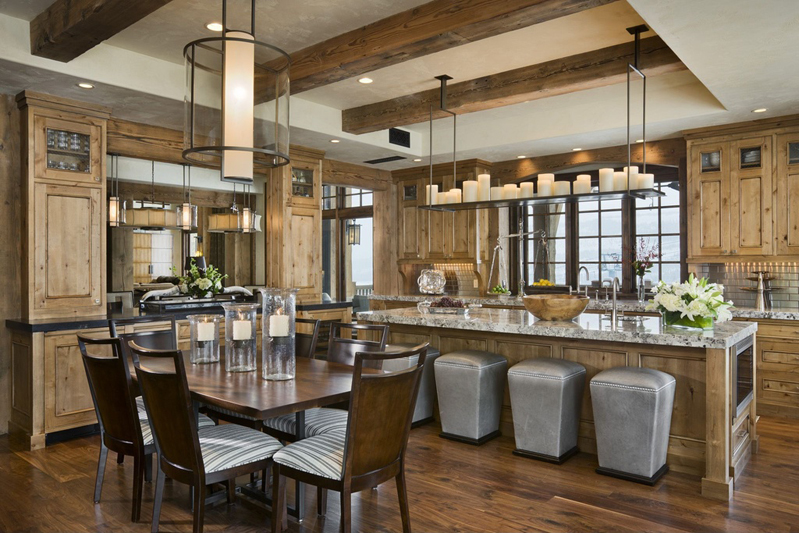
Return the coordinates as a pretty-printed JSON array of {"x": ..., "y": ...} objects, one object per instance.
[
  {"x": 467, "y": 440},
  {"x": 547, "y": 458},
  {"x": 634, "y": 477}
]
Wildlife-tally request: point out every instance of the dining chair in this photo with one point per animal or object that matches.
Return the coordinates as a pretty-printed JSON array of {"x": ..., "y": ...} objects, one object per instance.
[
  {"x": 121, "y": 429},
  {"x": 117, "y": 324},
  {"x": 186, "y": 453},
  {"x": 372, "y": 448},
  {"x": 342, "y": 349}
]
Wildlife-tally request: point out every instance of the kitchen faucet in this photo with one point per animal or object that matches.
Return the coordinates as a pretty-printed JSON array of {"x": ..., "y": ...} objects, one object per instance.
[
  {"x": 587, "y": 278},
  {"x": 613, "y": 315}
]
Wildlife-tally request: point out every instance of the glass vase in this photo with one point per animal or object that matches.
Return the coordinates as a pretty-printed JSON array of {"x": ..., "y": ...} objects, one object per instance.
[
  {"x": 204, "y": 331},
  {"x": 675, "y": 320},
  {"x": 278, "y": 333},
  {"x": 641, "y": 289},
  {"x": 240, "y": 341}
]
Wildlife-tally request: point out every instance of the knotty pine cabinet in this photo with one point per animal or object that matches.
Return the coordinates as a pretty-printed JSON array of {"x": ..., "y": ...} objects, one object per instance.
[{"x": 64, "y": 230}]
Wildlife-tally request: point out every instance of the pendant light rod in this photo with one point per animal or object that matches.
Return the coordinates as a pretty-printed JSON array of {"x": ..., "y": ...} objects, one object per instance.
[
  {"x": 152, "y": 183},
  {"x": 634, "y": 68}
]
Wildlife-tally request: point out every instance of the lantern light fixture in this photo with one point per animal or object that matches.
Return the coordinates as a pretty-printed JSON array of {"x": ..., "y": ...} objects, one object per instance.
[
  {"x": 152, "y": 215},
  {"x": 353, "y": 233},
  {"x": 186, "y": 212},
  {"x": 116, "y": 206}
]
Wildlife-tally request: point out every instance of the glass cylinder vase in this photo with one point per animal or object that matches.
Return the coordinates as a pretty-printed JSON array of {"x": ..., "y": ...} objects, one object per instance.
[
  {"x": 641, "y": 289},
  {"x": 674, "y": 319},
  {"x": 278, "y": 330},
  {"x": 240, "y": 341},
  {"x": 204, "y": 330}
]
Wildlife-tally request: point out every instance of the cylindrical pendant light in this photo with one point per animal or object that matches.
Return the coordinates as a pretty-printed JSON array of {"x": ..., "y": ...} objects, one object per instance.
[
  {"x": 116, "y": 207},
  {"x": 186, "y": 212},
  {"x": 236, "y": 102}
]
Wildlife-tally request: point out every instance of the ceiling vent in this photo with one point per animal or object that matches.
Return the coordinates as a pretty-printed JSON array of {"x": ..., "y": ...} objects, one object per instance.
[
  {"x": 384, "y": 160},
  {"x": 399, "y": 137}
]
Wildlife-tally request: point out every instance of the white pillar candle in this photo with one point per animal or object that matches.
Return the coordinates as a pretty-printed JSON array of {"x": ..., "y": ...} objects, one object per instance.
[
  {"x": 632, "y": 170},
  {"x": 619, "y": 181},
  {"x": 562, "y": 188},
  {"x": 470, "y": 191},
  {"x": 484, "y": 187},
  {"x": 582, "y": 187},
  {"x": 510, "y": 192},
  {"x": 544, "y": 188},
  {"x": 279, "y": 326},
  {"x": 646, "y": 181},
  {"x": 496, "y": 193},
  {"x": 605, "y": 179},
  {"x": 527, "y": 189},
  {"x": 441, "y": 198},
  {"x": 431, "y": 194},
  {"x": 454, "y": 196},
  {"x": 584, "y": 177},
  {"x": 550, "y": 177},
  {"x": 205, "y": 331},
  {"x": 242, "y": 330}
]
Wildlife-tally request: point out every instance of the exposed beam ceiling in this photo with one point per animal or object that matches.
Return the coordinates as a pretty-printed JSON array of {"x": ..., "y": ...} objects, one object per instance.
[
  {"x": 429, "y": 28},
  {"x": 68, "y": 28},
  {"x": 590, "y": 70}
]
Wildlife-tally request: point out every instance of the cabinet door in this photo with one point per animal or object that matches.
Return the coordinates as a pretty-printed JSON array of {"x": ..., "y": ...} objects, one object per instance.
[
  {"x": 67, "y": 398},
  {"x": 777, "y": 389},
  {"x": 709, "y": 200},
  {"x": 68, "y": 151},
  {"x": 410, "y": 195},
  {"x": 787, "y": 199},
  {"x": 305, "y": 183},
  {"x": 751, "y": 197},
  {"x": 69, "y": 243}
]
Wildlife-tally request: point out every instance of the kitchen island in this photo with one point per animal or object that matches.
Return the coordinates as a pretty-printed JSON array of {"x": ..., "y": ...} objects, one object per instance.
[{"x": 709, "y": 436}]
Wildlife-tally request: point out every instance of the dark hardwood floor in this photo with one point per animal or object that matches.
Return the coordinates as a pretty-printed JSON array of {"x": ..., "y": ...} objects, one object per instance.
[{"x": 451, "y": 487}]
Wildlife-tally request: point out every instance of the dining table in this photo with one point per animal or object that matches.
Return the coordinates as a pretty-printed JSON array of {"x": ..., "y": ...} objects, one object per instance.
[{"x": 316, "y": 383}]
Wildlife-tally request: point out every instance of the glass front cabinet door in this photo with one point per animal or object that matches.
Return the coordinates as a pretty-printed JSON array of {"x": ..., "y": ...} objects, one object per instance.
[{"x": 68, "y": 151}]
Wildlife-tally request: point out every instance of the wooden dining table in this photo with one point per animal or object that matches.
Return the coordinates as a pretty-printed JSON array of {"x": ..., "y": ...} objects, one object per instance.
[{"x": 317, "y": 383}]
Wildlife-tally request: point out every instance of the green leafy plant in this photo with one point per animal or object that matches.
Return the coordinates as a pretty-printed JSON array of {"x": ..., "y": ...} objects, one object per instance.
[{"x": 199, "y": 282}]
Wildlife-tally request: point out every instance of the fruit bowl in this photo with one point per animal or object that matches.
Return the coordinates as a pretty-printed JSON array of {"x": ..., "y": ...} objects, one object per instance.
[{"x": 555, "y": 307}]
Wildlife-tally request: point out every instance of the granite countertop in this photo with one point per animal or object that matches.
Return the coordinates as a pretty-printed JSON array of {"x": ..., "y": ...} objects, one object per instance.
[
  {"x": 626, "y": 306},
  {"x": 643, "y": 330}
]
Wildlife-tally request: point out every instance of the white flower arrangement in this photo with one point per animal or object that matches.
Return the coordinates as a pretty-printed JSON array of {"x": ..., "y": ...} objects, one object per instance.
[{"x": 694, "y": 300}]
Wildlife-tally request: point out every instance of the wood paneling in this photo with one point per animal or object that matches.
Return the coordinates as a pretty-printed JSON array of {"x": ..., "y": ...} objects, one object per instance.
[
  {"x": 358, "y": 176},
  {"x": 590, "y": 70},
  {"x": 68, "y": 28},
  {"x": 67, "y": 398}
]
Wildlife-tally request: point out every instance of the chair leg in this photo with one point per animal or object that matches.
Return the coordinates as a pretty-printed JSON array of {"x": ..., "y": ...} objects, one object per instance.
[
  {"x": 138, "y": 473},
  {"x": 148, "y": 468},
  {"x": 158, "y": 498},
  {"x": 265, "y": 480},
  {"x": 120, "y": 458},
  {"x": 278, "y": 499},
  {"x": 346, "y": 511},
  {"x": 98, "y": 482},
  {"x": 231, "y": 490},
  {"x": 199, "y": 509},
  {"x": 321, "y": 501},
  {"x": 402, "y": 493}
]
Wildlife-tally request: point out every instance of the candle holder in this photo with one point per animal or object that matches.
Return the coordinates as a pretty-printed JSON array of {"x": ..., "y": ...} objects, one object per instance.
[
  {"x": 240, "y": 340},
  {"x": 204, "y": 331},
  {"x": 278, "y": 329}
]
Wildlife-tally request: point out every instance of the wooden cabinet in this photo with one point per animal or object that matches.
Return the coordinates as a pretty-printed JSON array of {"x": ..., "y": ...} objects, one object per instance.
[
  {"x": 751, "y": 197},
  {"x": 787, "y": 208},
  {"x": 777, "y": 388},
  {"x": 411, "y": 194},
  {"x": 64, "y": 231}
]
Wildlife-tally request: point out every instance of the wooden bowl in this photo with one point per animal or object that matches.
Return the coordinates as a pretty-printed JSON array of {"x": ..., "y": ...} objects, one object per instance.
[{"x": 555, "y": 307}]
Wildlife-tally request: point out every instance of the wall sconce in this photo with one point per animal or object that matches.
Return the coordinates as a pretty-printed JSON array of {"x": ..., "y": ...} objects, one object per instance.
[{"x": 353, "y": 233}]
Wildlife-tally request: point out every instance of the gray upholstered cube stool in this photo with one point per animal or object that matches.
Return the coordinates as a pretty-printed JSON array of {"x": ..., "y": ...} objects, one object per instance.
[
  {"x": 632, "y": 416},
  {"x": 546, "y": 396},
  {"x": 427, "y": 387},
  {"x": 471, "y": 385}
]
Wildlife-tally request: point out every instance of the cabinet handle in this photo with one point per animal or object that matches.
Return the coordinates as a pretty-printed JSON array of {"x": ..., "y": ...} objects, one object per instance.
[
  {"x": 97, "y": 300},
  {"x": 735, "y": 251},
  {"x": 97, "y": 178},
  {"x": 724, "y": 252}
]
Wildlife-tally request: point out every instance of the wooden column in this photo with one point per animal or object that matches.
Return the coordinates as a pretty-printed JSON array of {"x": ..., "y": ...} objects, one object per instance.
[{"x": 717, "y": 483}]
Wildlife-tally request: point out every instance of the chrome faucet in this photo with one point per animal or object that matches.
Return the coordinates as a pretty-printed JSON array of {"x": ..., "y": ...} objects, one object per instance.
[
  {"x": 613, "y": 314},
  {"x": 587, "y": 278}
]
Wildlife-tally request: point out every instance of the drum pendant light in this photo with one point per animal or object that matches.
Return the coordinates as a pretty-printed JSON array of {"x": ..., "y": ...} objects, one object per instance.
[{"x": 236, "y": 112}]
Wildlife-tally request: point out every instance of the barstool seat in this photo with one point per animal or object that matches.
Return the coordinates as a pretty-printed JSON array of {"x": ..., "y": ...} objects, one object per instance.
[
  {"x": 427, "y": 386},
  {"x": 470, "y": 385},
  {"x": 632, "y": 416}
]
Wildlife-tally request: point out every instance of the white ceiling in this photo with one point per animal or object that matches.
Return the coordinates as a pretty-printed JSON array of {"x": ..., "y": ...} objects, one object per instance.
[{"x": 741, "y": 55}]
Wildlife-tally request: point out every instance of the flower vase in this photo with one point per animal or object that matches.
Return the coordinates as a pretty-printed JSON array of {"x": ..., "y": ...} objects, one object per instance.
[
  {"x": 675, "y": 320},
  {"x": 641, "y": 289}
]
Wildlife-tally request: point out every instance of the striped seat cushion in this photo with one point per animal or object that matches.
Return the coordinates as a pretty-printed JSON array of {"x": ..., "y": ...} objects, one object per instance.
[
  {"x": 147, "y": 433},
  {"x": 317, "y": 422},
  {"x": 230, "y": 445},
  {"x": 228, "y": 412},
  {"x": 322, "y": 455}
]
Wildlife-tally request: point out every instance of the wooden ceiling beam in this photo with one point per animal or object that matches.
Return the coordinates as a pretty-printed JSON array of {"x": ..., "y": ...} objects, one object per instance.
[
  {"x": 598, "y": 68},
  {"x": 420, "y": 31},
  {"x": 68, "y": 28}
]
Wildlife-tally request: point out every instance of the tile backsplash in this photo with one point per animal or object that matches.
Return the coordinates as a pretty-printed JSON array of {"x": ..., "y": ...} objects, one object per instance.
[
  {"x": 733, "y": 276},
  {"x": 460, "y": 278}
]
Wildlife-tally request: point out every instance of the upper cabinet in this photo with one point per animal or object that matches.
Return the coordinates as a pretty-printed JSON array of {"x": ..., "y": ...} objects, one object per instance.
[
  {"x": 65, "y": 207},
  {"x": 787, "y": 211}
]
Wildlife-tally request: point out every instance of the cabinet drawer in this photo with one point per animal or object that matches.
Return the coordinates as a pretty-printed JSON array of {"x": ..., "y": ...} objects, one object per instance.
[{"x": 740, "y": 436}]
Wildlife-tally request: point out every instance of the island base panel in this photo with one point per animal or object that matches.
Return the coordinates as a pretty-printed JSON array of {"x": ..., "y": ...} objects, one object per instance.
[{"x": 547, "y": 458}]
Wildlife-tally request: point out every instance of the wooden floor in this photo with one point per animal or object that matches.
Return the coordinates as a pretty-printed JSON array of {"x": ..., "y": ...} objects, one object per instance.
[{"x": 452, "y": 487}]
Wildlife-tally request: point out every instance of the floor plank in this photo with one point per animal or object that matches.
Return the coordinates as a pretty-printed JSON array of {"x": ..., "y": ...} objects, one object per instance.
[{"x": 451, "y": 487}]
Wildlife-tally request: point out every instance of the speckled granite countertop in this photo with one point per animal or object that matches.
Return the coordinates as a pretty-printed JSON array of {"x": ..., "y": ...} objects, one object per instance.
[
  {"x": 644, "y": 330},
  {"x": 627, "y": 306}
]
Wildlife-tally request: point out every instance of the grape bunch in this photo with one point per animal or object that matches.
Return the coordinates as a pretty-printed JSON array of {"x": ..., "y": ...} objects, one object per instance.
[{"x": 446, "y": 301}]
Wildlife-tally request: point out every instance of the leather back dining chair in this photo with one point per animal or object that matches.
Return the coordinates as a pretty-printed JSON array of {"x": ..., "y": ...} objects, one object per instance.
[{"x": 342, "y": 349}]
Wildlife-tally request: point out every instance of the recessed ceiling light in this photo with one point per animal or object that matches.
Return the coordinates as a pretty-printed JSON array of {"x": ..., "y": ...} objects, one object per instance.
[
  {"x": 417, "y": 160},
  {"x": 365, "y": 81},
  {"x": 639, "y": 141},
  {"x": 759, "y": 110},
  {"x": 85, "y": 85},
  {"x": 521, "y": 157},
  {"x": 214, "y": 26},
  {"x": 576, "y": 149},
  {"x": 335, "y": 141}
]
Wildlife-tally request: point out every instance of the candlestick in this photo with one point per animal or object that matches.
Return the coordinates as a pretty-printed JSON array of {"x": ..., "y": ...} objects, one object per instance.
[
  {"x": 510, "y": 192},
  {"x": 279, "y": 326},
  {"x": 562, "y": 188},
  {"x": 605, "y": 179},
  {"x": 619, "y": 181},
  {"x": 646, "y": 181},
  {"x": 527, "y": 189},
  {"x": 484, "y": 187},
  {"x": 242, "y": 330},
  {"x": 431, "y": 194},
  {"x": 205, "y": 331},
  {"x": 496, "y": 193},
  {"x": 470, "y": 190}
]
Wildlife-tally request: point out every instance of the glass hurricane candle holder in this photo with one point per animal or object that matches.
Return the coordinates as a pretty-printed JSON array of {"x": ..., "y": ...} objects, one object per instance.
[
  {"x": 204, "y": 331},
  {"x": 240, "y": 340},
  {"x": 278, "y": 330}
]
